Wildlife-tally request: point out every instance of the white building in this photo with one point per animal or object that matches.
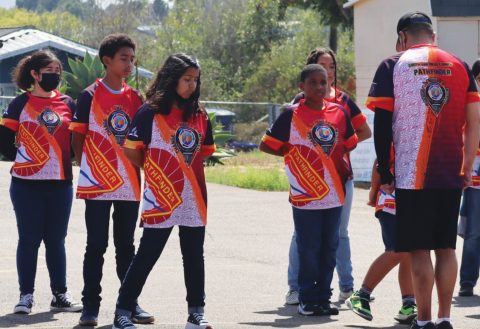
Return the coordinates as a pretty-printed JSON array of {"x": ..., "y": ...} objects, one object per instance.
[{"x": 457, "y": 23}]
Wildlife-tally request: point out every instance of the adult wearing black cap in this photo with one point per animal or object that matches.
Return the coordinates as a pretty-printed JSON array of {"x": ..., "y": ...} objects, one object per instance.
[{"x": 423, "y": 97}]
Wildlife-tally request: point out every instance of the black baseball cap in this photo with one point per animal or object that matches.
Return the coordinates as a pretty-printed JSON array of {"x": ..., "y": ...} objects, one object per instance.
[{"x": 409, "y": 19}]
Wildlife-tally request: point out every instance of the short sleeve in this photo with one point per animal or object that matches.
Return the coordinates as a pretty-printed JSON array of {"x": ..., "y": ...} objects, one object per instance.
[
  {"x": 279, "y": 133},
  {"x": 11, "y": 116},
  {"x": 472, "y": 92},
  {"x": 140, "y": 133},
  {"x": 70, "y": 103},
  {"x": 381, "y": 93},
  {"x": 208, "y": 146},
  {"x": 351, "y": 138},
  {"x": 81, "y": 116},
  {"x": 356, "y": 115}
]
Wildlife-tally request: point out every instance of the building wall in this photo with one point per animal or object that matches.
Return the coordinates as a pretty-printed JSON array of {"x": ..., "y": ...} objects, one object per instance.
[
  {"x": 460, "y": 36},
  {"x": 375, "y": 26}
]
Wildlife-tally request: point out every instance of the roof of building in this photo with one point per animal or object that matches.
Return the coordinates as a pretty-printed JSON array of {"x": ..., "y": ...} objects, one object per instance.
[
  {"x": 457, "y": 8},
  {"x": 21, "y": 40}
]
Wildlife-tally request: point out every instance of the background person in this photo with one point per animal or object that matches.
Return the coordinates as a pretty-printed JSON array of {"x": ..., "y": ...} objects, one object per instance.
[
  {"x": 41, "y": 188},
  {"x": 423, "y": 97}
]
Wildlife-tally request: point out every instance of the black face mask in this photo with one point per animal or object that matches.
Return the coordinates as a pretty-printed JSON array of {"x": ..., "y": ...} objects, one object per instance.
[{"x": 49, "y": 81}]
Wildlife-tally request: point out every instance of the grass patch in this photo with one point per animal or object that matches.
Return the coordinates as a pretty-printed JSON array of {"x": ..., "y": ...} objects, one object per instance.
[{"x": 252, "y": 170}]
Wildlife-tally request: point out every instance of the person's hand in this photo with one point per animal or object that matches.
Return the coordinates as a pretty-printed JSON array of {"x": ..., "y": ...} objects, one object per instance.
[
  {"x": 467, "y": 178},
  {"x": 388, "y": 188}
]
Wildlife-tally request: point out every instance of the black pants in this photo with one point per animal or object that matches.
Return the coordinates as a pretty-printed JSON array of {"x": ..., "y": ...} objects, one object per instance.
[
  {"x": 151, "y": 246},
  {"x": 97, "y": 219}
]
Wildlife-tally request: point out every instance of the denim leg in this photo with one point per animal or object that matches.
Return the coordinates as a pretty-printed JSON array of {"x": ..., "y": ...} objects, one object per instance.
[
  {"x": 125, "y": 216},
  {"x": 151, "y": 246},
  {"x": 311, "y": 227},
  {"x": 29, "y": 206},
  {"x": 330, "y": 239},
  {"x": 293, "y": 264},
  {"x": 343, "y": 255},
  {"x": 191, "y": 245},
  {"x": 469, "y": 269},
  {"x": 97, "y": 218},
  {"x": 59, "y": 203}
]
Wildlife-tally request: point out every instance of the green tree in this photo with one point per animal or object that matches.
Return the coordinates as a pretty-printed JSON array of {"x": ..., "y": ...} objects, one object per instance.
[
  {"x": 332, "y": 14},
  {"x": 160, "y": 8}
]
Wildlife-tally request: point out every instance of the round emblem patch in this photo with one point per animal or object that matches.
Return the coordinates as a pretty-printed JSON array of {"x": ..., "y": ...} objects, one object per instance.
[
  {"x": 118, "y": 122},
  {"x": 187, "y": 141},
  {"x": 50, "y": 119},
  {"x": 324, "y": 135},
  {"x": 434, "y": 94},
  {"x": 435, "y": 91}
]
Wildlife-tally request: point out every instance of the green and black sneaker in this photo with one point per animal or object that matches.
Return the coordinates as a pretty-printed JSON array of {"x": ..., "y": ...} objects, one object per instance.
[
  {"x": 360, "y": 305},
  {"x": 407, "y": 313}
]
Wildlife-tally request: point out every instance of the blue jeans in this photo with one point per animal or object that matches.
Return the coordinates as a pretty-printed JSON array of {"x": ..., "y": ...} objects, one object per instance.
[
  {"x": 151, "y": 247},
  {"x": 97, "y": 220},
  {"x": 42, "y": 210},
  {"x": 317, "y": 242},
  {"x": 469, "y": 269},
  {"x": 344, "y": 264}
]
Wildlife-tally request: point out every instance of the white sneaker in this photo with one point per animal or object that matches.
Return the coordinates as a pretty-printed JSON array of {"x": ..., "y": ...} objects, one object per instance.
[
  {"x": 24, "y": 305},
  {"x": 344, "y": 295},
  {"x": 291, "y": 298}
]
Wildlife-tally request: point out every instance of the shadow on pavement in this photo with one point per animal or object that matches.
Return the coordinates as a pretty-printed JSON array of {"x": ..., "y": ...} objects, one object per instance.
[
  {"x": 472, "y": 301},
  {"x": 16, "y": 320},
  {"x": 290, "y": 318}
]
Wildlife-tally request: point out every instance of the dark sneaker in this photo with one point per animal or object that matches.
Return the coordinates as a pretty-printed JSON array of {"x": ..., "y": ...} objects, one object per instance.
[
  {"x": 24, "y": 305},
  {"x": 122, "y": 322},
  {"x": 360, "y": 306},
  {"x": 444, "y": 325},
  {"x": 429, "y": 325},
  {"x": 466, "y": 290},
  {"x": 141, "y": 316},
  {"x": 326, "y": 309},
  {"x": 197, "y": 321},
  {"x": 306, "y": 308},
  {"x": 309, "y": 309},
  {"x": 89, "y": 317},
  {"x": 407, "y": 313},
  {"x": 63, "y": 302}
]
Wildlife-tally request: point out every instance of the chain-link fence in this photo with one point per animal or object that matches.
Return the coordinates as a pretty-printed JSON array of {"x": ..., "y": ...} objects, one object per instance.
[
  {"x": 247, "y": 121},
  {"x": 4, "y": 101}
]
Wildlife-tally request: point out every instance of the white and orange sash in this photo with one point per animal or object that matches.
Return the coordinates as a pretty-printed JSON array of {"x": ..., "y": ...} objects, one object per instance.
[
  {"x": 39, "y": 155},
  {"x": 172, "y": 195},
  {"x": 105, "y": 172},
  {"x": 314, "y": 181}
]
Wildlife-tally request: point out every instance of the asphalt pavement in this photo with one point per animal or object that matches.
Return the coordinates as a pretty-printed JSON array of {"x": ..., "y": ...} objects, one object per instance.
[{"x": 246, "y": 255}]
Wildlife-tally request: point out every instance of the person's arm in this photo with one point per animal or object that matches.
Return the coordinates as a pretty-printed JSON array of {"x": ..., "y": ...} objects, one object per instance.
[
  {"x": 275, "y": 140},
  {"x": 78, "y": 139},
  {"x": 383, "y": 137},
  {"x": 208, "y": 146},
  {"x": 267, "y": 149},
  {"x": 472, "y": 137},
  {"x": 136, "y": 156},
  {"x": 79, "y": 124},
  {"x": 7, "y": 143},
  {"x": 375, "y": 186},
  {"x": 363, "y": 132}
]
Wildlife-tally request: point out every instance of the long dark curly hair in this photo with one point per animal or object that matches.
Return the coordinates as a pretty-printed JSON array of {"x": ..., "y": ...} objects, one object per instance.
[{"x": 162, "y": 93}]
